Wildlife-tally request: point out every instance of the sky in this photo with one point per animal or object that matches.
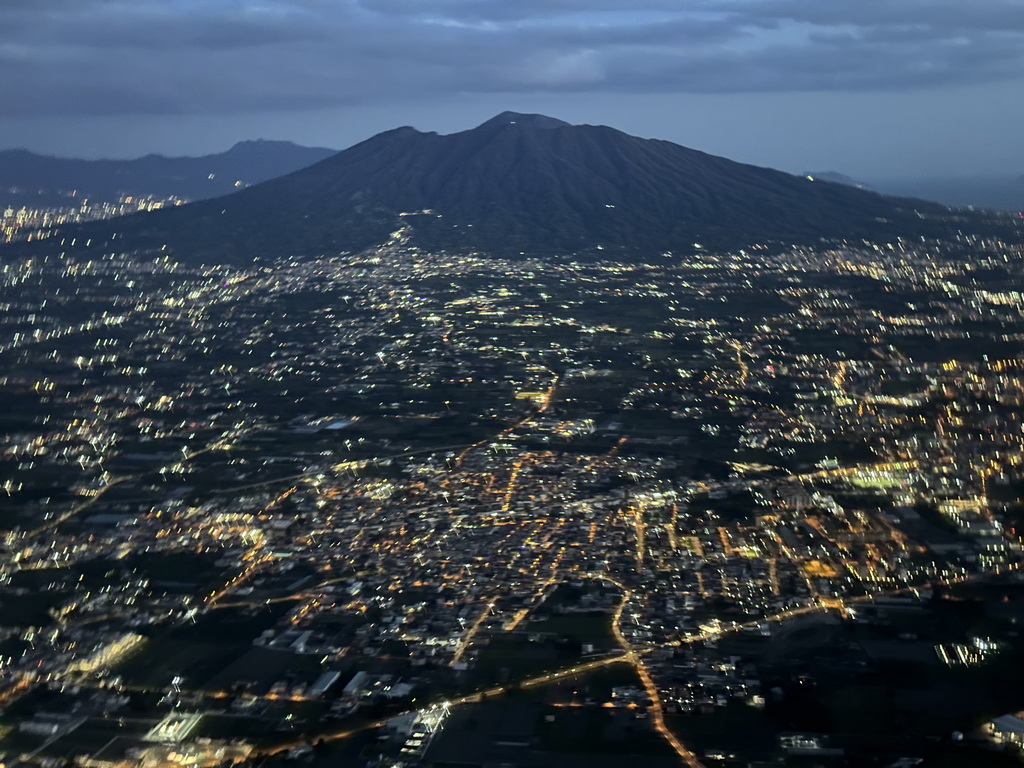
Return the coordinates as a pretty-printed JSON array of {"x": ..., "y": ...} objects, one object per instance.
[{"x": 870, "y": 88}]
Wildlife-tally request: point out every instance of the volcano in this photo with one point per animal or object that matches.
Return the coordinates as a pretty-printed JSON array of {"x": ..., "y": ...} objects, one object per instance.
[{"x": 526, "y": 184}]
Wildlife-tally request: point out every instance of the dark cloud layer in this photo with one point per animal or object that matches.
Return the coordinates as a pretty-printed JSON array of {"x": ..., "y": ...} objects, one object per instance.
[{"x": 208, "y": 57}]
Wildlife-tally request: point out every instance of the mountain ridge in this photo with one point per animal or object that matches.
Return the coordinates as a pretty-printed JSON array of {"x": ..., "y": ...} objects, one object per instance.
[
  {"x": 524, "y": 184},
  {"x": 32, "y": 179}
]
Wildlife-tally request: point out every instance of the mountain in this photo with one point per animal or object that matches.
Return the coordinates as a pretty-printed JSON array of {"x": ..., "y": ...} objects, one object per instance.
[
  {"x": 999, "y": 192},
  {"x": 1005, "y": 193},
  {"x": 37, "y": 180},
  {"x": 524, "y": 184}
]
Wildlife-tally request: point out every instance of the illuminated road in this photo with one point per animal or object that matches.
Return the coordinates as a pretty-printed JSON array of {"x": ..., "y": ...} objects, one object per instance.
[
  {"x": 656, "y": 710},
  {"x": 254, "y": 558},
  {"x": 510, "y": 489},
  {"x": 839, "y": 605},
  {"x": 545, "y": 404},
  {"x": 470, "y": 698},
  {"x": 640, "y": 534},
  {"x": 15, "y": 691},
  {"x": 467, "y": 638},
  {"x": 844, "y": 472},
  {"x": 77, "y": 508},
  {"x": 740, "y": 362}
]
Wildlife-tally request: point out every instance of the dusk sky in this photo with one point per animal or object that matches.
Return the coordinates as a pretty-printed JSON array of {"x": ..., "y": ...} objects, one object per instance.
[{"x": 871, "y": 88}]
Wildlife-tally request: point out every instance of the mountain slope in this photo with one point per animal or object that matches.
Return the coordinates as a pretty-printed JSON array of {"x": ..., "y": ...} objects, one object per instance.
[
  {"x": 37, "y": 180},
  {"x": 524, "y": 183},
  {"x": 1005, "y": 193}
]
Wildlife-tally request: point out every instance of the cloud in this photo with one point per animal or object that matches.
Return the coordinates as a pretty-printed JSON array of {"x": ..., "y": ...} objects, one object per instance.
[{"x": 175, "y": 57}]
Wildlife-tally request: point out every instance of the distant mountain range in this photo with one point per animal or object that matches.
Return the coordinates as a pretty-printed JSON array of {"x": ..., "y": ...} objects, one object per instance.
[
  {"x": 37, "y": 180},
  {"x": 526, "y": 184},
  {"x": 1004, "y": 193}
]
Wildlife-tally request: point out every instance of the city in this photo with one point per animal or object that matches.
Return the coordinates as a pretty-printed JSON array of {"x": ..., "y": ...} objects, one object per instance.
[
  {"x": 416, "y": 508},
  {"x": 38, "y": 223}
]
